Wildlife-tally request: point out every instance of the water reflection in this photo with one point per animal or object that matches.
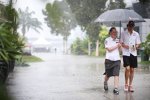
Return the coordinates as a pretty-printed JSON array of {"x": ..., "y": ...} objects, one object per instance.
[
  {"x": 64, "y": 77},
  {"x": 129, "y": 96},
  {"x": 100, "y": 67},
  {"x": 121, "y": 96},
  {"x": 143, "y": 69}
]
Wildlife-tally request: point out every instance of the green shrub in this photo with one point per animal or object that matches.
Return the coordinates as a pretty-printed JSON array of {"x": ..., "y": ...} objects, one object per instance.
[
  {"x": 102, "y": 52},
  {"x": 80, "y": 47}
]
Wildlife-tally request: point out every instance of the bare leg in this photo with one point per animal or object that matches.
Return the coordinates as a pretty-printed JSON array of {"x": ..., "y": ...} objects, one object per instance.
[
  {"x": 106, "y": 78},
  {"x": 127, "y": 74},
  {"x": 116, "y": 84},
  {"x": 116, "y": 81},
  {"x": 131, "y": 76},
  {"x": 131, "y": 79}
]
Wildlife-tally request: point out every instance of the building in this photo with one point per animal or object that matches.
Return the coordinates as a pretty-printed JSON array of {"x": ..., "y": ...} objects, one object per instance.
[{"x": 143, "y": 28}]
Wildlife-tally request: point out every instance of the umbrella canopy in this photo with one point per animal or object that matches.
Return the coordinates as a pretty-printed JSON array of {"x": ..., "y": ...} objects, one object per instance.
[{"x": 119, "y": 15}]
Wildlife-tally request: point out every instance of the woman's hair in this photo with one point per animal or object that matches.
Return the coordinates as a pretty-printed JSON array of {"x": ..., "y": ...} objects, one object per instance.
[{"x": 110, "y": 30}]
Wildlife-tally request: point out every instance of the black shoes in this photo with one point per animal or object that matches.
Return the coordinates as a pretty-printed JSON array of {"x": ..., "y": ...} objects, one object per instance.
[
  {"x": 105, "y": 86},
  {"x": 116, "y": 91}
]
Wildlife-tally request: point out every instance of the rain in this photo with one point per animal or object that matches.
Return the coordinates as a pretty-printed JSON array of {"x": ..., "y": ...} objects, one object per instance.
[{"x": 56, "y": 49}]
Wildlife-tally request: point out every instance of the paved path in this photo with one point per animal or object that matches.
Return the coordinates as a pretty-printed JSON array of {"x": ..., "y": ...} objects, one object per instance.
[{"x": 67, "y": 77}]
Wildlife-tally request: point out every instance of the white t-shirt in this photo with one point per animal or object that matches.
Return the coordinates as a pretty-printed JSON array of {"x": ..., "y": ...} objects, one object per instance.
[
  {"x": 113, "y": 55},
  {"x": 131, "y": 40}
]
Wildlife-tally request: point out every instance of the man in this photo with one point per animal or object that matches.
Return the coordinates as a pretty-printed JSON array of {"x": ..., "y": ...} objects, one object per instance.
[
  {"x": 130, "y": 43},
  {"x": 112, "y": 60}
]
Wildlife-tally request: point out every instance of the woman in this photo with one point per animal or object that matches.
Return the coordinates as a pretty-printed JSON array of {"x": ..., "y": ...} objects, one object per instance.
[{"x": 112, "y": 60}]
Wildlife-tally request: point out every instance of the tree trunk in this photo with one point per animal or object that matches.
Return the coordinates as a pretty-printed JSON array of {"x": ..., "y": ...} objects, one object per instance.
[
  {"x": 89, "y": 48},
  {"x": 97, "y": 48},
  {"x": 23, "y": 30},
  {"x": 64, "y": 45}
]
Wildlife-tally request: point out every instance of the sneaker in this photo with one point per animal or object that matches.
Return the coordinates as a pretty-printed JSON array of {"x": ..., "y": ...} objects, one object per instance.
[
  {"x": 116, "y": 91},
  {"x": 126, "y": 88},
  {"x": 105, "y": 86},
  {"x": 131, "y": 88}
]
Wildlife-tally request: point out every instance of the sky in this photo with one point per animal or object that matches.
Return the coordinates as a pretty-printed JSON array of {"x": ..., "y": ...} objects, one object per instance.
[{"x": 37, "y": 6}]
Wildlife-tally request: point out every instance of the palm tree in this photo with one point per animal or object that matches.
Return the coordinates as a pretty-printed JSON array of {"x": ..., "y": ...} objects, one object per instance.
[{"x": 26, "y": 21}]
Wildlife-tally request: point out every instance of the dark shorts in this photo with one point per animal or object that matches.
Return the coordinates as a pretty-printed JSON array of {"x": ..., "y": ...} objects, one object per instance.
[
  {"x": 130, "y": 61},
  {"x": 112, "y": 68}
]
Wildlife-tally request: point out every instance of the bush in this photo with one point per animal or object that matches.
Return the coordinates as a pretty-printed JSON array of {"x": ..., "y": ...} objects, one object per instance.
[
  {"x": 10, "y": 42},
  {"x": 145, "y": 51},
  {"x": 102, "y": 52},
  {"x": 80, "y": 47}
]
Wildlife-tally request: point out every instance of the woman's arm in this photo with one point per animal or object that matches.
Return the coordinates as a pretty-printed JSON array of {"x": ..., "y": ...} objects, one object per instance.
[{"x": 110, "y": 49}]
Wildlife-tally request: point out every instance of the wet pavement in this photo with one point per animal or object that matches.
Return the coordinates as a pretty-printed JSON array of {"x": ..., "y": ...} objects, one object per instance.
[{"x": 68, "y": 77}]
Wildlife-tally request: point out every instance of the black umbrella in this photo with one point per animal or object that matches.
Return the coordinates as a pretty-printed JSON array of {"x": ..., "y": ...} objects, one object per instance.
[{"x": 119, "y": 16}]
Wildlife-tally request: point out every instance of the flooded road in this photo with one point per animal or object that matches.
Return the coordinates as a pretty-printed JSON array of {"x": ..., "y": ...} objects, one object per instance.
[{"x": 68, "y": 77}]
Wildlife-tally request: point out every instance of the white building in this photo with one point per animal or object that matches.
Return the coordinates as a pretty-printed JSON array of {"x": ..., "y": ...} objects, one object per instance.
[{"x": 144, "y": 29}]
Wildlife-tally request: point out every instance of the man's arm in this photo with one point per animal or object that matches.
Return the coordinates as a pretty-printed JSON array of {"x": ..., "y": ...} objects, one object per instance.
[
  {"x": 137, "y": 46},
  {"x": 122, "y": 41},
  {"x": 125, "y": 46}
]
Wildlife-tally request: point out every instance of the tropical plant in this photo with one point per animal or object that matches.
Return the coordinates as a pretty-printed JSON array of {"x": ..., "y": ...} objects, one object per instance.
[
  {"x": 26, "y": 21},
  {"x": 10, "y": 42},
  {"x": 147, "y": 45}
]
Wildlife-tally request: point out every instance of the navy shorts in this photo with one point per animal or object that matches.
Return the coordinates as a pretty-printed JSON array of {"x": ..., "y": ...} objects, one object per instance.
[{"x": 130, "y": 61}]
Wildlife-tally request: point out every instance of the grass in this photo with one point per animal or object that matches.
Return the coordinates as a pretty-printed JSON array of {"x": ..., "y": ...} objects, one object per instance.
[
  {"x": 23, "y": 60},
  {"x": 145, "y": 62},
  {"x": 31, "y": 59}
]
